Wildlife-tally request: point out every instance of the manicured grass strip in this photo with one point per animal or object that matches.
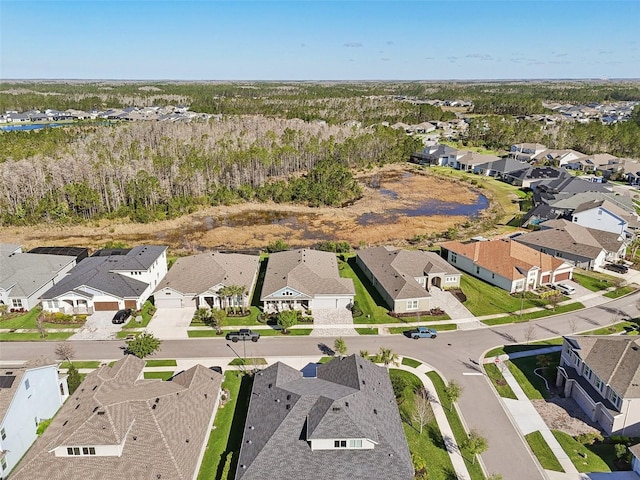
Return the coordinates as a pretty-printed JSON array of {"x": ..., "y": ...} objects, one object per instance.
[
  {"x": 456, "y": 426},
  {"x": 501, "y": 385},
  {"x": 542, "y": 452},
  {"x": 81, "y": 364},
  {"x": 525, "y": 317},
  {"x": 325, "y": 359},
  {"x": 523, "y": 371},
  {"x": 160, "y": 375},
  {"x": 249, "y": 361},
  {"x": 28, "y": 321},
  {"x": 440, "y": 328},
  {"x": 161, "y": 363},
  {"x": 225, "y": 439},
  {"x": 203, "y": 334},
  {"x": 263, "y": 333},
  {"x": 619, "y": 292},
  {"x": 34, "y": 337},
  {"x": 485, "y": 299},
  {"x": 367, "y": 331},
  {"x": 584, "y": 459},
  {"x": 147, "y": 314},
  {"x": 123, "y": 333},
  {"x": 410, "y": 362},
  {"x": 593, "y": 281}
]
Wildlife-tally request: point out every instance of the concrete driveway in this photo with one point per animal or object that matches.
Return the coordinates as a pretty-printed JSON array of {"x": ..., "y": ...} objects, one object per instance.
[
  {"x": 450, "y": 304},
  {"x": 98, "y": 327},
  {"x": 171, "y": 323}
]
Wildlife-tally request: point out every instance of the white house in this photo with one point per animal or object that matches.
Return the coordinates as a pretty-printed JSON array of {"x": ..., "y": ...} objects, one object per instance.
[
  {"x": 109, "y": 282},
  {"x": 635, "y": 462},
  {"x": 602, "y": 215},
  {"x": 29, "y": 394},
  {"x": 526, "y": 151}
]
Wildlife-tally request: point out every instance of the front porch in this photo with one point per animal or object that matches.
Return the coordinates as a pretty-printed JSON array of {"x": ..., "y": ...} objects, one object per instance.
[{"x": 275, "y": 306}]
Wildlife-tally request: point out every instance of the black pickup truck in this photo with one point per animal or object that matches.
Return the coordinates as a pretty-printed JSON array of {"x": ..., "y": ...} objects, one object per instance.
[{"x": 243, "y": 334}]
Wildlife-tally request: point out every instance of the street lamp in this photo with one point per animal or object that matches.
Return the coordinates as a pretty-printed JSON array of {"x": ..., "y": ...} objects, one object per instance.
[{"x": 241, "y": 359}]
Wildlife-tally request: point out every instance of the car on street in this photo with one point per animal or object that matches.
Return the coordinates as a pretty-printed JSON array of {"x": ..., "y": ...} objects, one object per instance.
[
  {"x": 616, "y": 267},
  {"x": 564, "y": 288},
  {"x": 423, "y": 332},
  {"x": 121, "y": 316},
  {"x": 243, "y": 334}
]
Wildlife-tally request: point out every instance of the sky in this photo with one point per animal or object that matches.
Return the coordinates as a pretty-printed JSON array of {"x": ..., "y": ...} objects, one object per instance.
[{"x": 311, "y": 40}]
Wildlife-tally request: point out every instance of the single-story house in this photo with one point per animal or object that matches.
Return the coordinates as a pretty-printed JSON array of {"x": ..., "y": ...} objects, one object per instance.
[
  {"x": 305, "y": 279},
  {"x": 468, "y": 161},
  {"x": 119, "y": 425},
  {"x": 110, "y": 281},
  {"x": 602, "y": 374},
  {"x": 506, "y": 263},
  {"x": 341, "y": 422},
  {"x": 199, "y": 281},
  {"x": 404, "y": 277},
  {"x": 499, "y": 168},
  {"x": 24, "y": 277},
  {"x": 29, "y": 393},
  {"x": 532, "y": 176},
  {"x": 583, "y": 247}
]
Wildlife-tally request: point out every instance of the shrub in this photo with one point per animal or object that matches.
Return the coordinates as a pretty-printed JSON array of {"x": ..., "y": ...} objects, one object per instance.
[{"x": 589, "y": 438}]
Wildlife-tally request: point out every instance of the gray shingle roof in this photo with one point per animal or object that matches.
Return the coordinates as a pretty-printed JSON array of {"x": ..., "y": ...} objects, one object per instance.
[
  {"x": 350, "y": 398},
  {"x": 310, "y": 272},
  {"x": 160, "y": 425},
  {"x": 26, "y": 273},
  {"x": 198, "y": 273}
]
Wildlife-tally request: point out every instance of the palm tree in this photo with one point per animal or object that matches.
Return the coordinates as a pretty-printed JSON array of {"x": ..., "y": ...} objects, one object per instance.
[{"x": 386, "y": 356}]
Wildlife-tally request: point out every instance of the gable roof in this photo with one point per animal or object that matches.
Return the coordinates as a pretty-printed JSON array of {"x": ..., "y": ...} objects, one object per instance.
[
  {"x": 567, "y": 183},
  {"x": 26, "y": 273},
  {"x": 350, "y": 398},
  {"x": 474, "y": 158},
  {"x": 612, "y": 208},
  {"x": 571, "y": 201},
  {"x": 100, "y": 273},
  {"x": 396, "y": 269},
  {"x": 198, "y": 273},
  {"x": 569, "y": 237},
  {"x": 160, "y": 426},
  {"x": 504, "y": 165},
  {"x": 504, "y": 256},
  {"x": 310, "y": 272},
  {"x": 615, "y": 359}
]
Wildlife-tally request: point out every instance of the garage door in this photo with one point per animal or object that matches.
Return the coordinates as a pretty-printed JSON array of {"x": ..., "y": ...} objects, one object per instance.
[
  {"x": 545, "y": 278},
  {"x": 105, "y": 306},
  {"x": 562, "y": 276},
  {"x": 169, "y": 302},
  {"x": 130, "y": 304},
  {"x": 324, "y": 303}
]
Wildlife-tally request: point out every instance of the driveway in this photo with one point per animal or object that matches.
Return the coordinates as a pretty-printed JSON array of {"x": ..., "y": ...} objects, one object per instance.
[
  {"x": 171, "y": 323},
  {"x": 450, "y": 304},
  {"x": 98, "y": 327},
  {"x": 327, "y": 317}
]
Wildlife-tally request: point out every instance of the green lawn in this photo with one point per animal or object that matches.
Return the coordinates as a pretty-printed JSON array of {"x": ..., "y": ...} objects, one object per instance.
[
  {"x": 619, "y": 292},
  {"x": 520, "y": 348},
  {"x": 525, "y": 317},
  {"x": 594, "y": 281},
  {"x": 224, "y": 442},
  {"x": 367, "y": 331},
  {"x": 484, "y": 299},
  {"x": 325, "y": 359},
  {"x": 543, "y": 453},
  {"x": 161, "y": 363},
  {"x": 460, "y": 434},
  {"x": 429, "y": 445},
  {"x": 81, "y": 364},
  {"x": 523, "y": 371},
  {"x": 439, "y": 328},
  {"x": 159, "y": 375},
  {"x": 271, "y": 332},
  {"x": 249, "y": 361},
  {"x": 500, "y": 384},
  {"x": 410, "y": 362},
  {"x": 147, "y": 313},
  {"x": 32, "y": 337},
  {"x": 584, "y": 459},
  {"x": 28, "y": 321},
  {"x": 249, "y": 320}
]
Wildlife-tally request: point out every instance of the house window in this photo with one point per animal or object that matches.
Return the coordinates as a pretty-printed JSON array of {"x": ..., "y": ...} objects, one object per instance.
[
  {"x": 559, "y": 254},
  {"x": 3, "y": 433},
  {"x": 587, "y": 372},
  {"x": 16, "y": 302},
  {"x": 3, "y": 462},
  {"x": 26, "y": 384},
  {"x": 477, "y": 270},
  {"x": 599, "y": 384},
  {"x": 412, "y": 304},
  {"x": 88, "y": 451},
  {"x": 340, "y": 443},
  {"x": 454, "y": 257},
  {"x": 355, "y": 443},
  {"x": 615, "y": 399},
  {"x": 493, "y": 275}
]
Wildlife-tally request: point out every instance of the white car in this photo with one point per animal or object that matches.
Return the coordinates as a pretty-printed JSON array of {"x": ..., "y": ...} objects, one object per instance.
[{"x": 564, "y": 288}]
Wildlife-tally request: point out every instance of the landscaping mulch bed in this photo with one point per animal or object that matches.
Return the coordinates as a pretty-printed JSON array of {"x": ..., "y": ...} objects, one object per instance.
[{"x": 565, "y": 415}]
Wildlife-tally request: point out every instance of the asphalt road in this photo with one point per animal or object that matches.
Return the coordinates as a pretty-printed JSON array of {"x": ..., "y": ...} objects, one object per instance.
[{"x": 455, "y": 355}]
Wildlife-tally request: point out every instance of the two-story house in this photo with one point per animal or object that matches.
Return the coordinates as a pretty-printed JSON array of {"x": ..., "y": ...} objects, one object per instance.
[
  {"x": 602, "y": 374},
  {"x": 526, "y": 151}
]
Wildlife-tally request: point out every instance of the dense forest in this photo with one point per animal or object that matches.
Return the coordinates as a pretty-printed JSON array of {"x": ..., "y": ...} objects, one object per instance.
[{"x": 150, "y": 171}]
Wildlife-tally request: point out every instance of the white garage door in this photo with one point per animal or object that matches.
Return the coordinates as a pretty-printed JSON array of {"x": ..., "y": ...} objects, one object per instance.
[
  {"x": 169, "y": 303},
  {"x": 328, "y": 302}
]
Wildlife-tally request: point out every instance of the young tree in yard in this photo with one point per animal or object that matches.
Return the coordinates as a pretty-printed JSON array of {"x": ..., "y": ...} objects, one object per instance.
[
  {"x": 143, "y": 345},
  {"x": 65, "y": 351},
  {"x": 544, "y": 362},
  {"x": 529, "y": 333},
  {"x": 475, "y": 444},
  {"x": 364, "y": 353},
  {"x": 340, "y": 346},
  {"x": 218, "y": 317},
  {"x": 554, "y": 300},
  {"x": 73, "y": 378},
  {"x": 386, "y": 356},
  {"x": 453, "y": 391},
  {"x": 287, "y": 319},
  {"x": 40, "y": 325},
  {"x": 422, "y": 413}
]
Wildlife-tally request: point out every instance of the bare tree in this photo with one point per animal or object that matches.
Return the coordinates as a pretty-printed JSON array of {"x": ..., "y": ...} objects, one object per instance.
[
  {"x": 40, "y": 326},
  {"x": 422, "y": 413},
  {"x": 65, "y": 351},
  {"x": 554, "y": 300},
  {"x": 530, "y": 333}
]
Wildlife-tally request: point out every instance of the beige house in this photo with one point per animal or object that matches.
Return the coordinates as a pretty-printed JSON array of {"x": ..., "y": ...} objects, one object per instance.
[
  {"x": 404, "y": 277},
  {"x": 119, "y": 426},
  {"x": 602, "y": 374}
]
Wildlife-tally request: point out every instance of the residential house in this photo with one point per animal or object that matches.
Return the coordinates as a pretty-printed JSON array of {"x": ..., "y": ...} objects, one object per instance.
[
  {"x": 583, "y": 247},
  {"x": 605, "y": 215},
  {"x": 499, "y": 168},
  {"x": 506, "y": 263},
  {"x": 118, "y": 425},
  {"x": 109, "y": 280},
  {"x": 602, "y": 374},
  {"x": 305, "y": 279},
  {"x": 525, "y": 152},
  {"x": 24, "y": 277},
  {"x": 532, "y": 176},
  {"x": 29, "y": 393},
  {"x": 558, "y": 158},
  {"x": 404, "y": 277},
  {"x": 342, "y": 423},
  {"x": 635, "y": 462},
  {"x": 468, "y": 161},
  {"x": 436, "y": 155},
  {"x": 196, "y": 281}
]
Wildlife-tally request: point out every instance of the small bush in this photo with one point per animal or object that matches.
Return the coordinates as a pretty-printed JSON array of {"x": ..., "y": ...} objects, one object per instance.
[{"x": 589, "y": 438}]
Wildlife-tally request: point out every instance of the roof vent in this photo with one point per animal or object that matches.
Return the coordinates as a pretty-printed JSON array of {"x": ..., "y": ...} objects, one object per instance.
[
  {"x": 135, "y": 437},
  {"x": 249, "y": 441},
  {"x": 375, "y": 411},
  {"x": 270, "y": 385},
  {"x": 101, "y": 412},
  {"x": 277, "y": 400},
  {"x": 251, "y": 427},
  {"x": 335, "y": 409},
  {"x": 153, "y": 407},
  {"x": 288, "y": 407},
  {"x": 8, "y": 373},
  {"x": 65, "y": 423}
]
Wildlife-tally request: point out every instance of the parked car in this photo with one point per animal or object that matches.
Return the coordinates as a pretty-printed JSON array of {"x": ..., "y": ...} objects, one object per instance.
[
  {"x": 564, "y": 288},
  {"x": 216, "y": 369},
  {"x": 121, "y": 316},
  {"x": 243, "y": 334},
  {"x": 616, "y": 267},
  {"x": 423, "y": 332}
]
